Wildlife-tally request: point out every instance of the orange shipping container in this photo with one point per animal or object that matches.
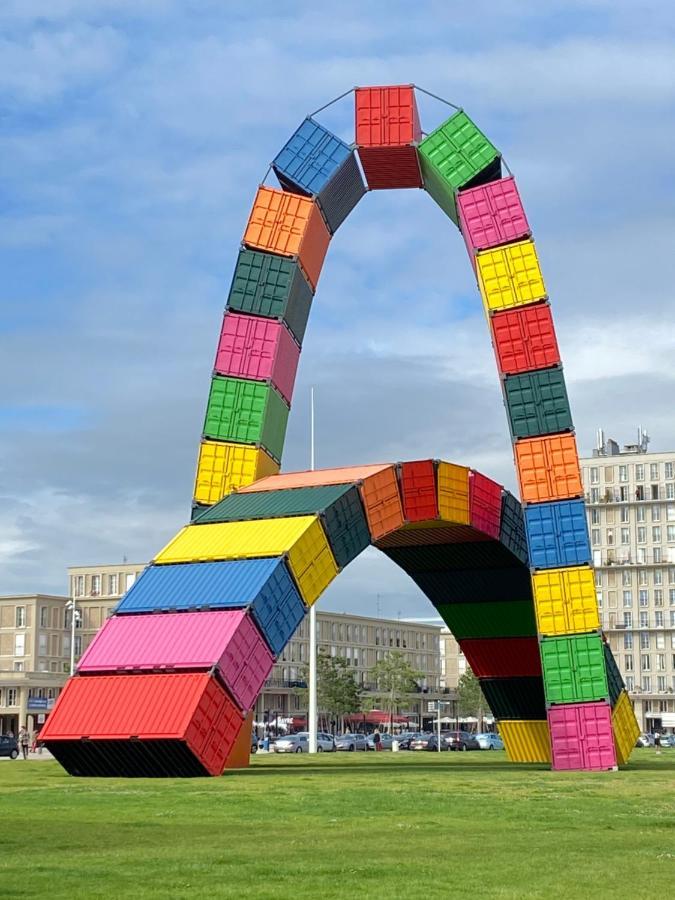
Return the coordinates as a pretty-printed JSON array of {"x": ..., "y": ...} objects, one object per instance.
[
  {"x": 548, "y": 468},
  {"x": 378, "y": 486},
  {"x": 290, "y": 225}
]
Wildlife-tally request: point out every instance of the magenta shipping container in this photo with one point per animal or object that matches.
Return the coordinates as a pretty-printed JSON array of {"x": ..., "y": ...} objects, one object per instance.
[
  {"x": 227, "y": 639},
  {"x": 492, "y": 214},
  {"x": 258, "y": 348},
  {"x": 581, "y": 736}
]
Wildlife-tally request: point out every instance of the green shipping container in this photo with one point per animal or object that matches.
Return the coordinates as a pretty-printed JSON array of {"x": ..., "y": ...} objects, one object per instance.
[
  {"x": 456, "y": 155},
  {"x": 515, "y": 698},
  {"x": 574, "y": 669},
  {"x": 248, "y": 412},
  {"x": 476, "y": 620},
  {"x": 339, "y": 506},
  {"x": 537, "y": 403},
  {"x": 273, "y": 286}
]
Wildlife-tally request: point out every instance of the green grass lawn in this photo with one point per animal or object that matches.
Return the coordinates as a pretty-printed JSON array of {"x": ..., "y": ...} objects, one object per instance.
[{"x": 343, "y": 825}]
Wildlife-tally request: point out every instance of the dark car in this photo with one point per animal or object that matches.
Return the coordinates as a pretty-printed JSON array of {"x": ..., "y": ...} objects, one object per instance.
[
  {"x": 9, "y": 746},
  {"x": 427, "y": 741},
  {"x": 461, "y": 740},
  {"x": 404, "y": 739}
]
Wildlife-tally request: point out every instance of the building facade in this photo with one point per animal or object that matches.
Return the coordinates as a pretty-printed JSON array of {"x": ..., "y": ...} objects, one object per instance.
[
  {"x": 362, "y": 641},
  {"x": 630, "y": 505},
  {"x": 453, "y": 661},
  {"x": 34, "y": 658}
]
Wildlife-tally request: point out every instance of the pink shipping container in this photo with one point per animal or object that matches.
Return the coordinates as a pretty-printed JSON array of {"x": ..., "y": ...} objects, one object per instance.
[
  {"x": 581, "y": 736},
  {"x": 193, "y": 641},
  {"x": 258, "y": 348},
  {"x": 485, "y": 504},
  {"x": 492, "y": 214}
]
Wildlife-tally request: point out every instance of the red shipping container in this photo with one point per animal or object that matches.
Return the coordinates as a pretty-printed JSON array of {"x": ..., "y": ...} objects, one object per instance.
[
  {"x": 502, "y": 657},
  {"x": 491, "y": 214},
  {"x": 260, "y": 349},
  {"x": 418, "y": 487},
  {"x": 143, "y": 725},
  {"x": 524, "y": 339},
  {"x": 387, "y": 127},
  {"x": 226, "y": 639},
  {"x": 581, "y": 736},
  {"x": 485, "y": 503}
]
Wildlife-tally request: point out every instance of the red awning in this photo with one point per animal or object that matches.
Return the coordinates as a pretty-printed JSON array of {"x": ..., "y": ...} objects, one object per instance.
[{"x": 376, "y": 717}]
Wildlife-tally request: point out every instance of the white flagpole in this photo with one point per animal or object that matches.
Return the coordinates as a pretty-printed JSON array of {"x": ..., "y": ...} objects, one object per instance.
[{"x": 312, "y": 712}]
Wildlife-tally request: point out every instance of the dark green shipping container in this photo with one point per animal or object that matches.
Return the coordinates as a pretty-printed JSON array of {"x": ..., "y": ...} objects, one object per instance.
[
  {"x": 574, "y": 669},
  {"x": 441, "y": 557},
  {"x": 339, "y": 506},
  {"x": 615, "y": 682},
  {"x": 247, "y": 412},
  {"x": 489, "y": 620},
  {"x": 537, "y": 403},
  {"x": 273, "y": 286},
  {"x": 475, "y": 585},
  {"x": 512, "y": 527},
  {"x": 515, "y": 698}
]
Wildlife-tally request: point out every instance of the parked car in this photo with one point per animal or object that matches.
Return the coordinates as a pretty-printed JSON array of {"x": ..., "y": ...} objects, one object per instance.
[
  {"x": 9, "y": 746},
  {"x": 667, "y": 740},
  {"x": 299, "y": 743},
  {"x": 461, "y": 740},
  {"x": 489, "y": 740},
  {"x": 386, "y": 741},
  {"x": 404, "y": 739},
  {"x": 351, "y": 742},
  {"x": 644, "y": 740},
  {"x": 427, "y": 741}
]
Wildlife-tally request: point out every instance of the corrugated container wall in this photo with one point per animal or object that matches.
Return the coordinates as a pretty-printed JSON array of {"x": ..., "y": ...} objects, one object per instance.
[
  {"x": 557, "y": 534},
  {"x": 492, "y": 214},
  {"x": 387, "y": 126},
  {"x": 524, "y": 339}
]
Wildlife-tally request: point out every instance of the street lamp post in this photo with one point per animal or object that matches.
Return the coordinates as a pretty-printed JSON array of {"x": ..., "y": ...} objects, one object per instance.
[{"x": 74, "y": 618}]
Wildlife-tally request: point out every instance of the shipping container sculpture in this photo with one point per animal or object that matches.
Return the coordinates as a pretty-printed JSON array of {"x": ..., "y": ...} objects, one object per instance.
[{"x": 167, "y": 686}]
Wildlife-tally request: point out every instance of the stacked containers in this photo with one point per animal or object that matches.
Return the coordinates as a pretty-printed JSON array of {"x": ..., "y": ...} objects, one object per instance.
[
  {"x": 387, "y": 132},
  {"x": 498, "y": 238}
]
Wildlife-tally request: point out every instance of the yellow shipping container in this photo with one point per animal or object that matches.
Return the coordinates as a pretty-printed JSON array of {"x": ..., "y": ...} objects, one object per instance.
[
  {"x": 312, "y": 563},
  {"x": 526, "y": 741},
  {"x": 565, "y": 601},
  {"x": 510, "y": 276},
  {"x": 625, "y": 728},
  {"x": 453, "y": 493},
  {"x": 301, "y": 537},
  {"x": 224, "y": 467}
]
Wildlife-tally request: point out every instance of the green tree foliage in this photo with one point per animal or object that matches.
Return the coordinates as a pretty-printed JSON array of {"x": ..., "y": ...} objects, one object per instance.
[
  {"x": 338, "y": 694},
  {"x": 395, "y": 679},
  {"x": 470, "y": 699}
]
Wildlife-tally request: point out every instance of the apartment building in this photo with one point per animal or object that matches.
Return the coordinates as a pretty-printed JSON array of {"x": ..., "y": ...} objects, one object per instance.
[
  {"x": 361, "y": 640},
  {"x": 453, "y": 661},
  {"x": 96, "y": 591},
  {"x": 34, "y": 658},
  {"x": 630, "y": 504}
]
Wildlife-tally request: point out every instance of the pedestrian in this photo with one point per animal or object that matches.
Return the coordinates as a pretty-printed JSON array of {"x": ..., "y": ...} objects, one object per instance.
[
  {"x": 33, "y": 742},
  {"x": 377, "y": 739},
  {"x": 24, "y": 741},
  {"x": 657, "y": 742}
]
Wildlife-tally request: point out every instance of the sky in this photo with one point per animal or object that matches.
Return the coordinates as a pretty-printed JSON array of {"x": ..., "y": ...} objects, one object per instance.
[{"x": 133, "y": 136}]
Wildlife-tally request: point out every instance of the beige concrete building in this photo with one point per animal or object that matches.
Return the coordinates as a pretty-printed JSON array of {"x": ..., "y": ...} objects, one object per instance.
[
  {"x": 630, "y": 504},
  {"x": 453, "y": 661},
  {"x": 34, "y": 658},
  {"x": 96, "y": 591},
  {"x": 361, "y": 640}
]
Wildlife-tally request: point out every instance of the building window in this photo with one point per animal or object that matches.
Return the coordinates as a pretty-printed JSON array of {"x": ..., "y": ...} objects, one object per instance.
[
  {"x": 623, "y": 473},
  {"x": 630, "y": 683},
  {"x": 660, "y": 662},
  {"x": 670, "y": 490},
  {"x": 595, "y": 478},
  {"x": 660, "y": 641},
  {"x": 658, "y": 597},
  {"x": 623, "y": 494},
  {"x": 670, "y": 533},
  {"x": 647, "y": 684},
  {"x": 628, "y": 620},
  {"x": 658, "y": 576},
  {"x": 661, "y": 683},
  {"x": 112, "y": 585},
  {"x": 658, "y": 619},
  {"x": 656, "y": 513},
  {"x": 78, "y": 645},
  {"x": 644, "y": 620},
  {"x": 654, "y": 471},
  {"x": 645, "y": 662},
  {"x": 19, "y": 644},
  {"x": 628, "y": 641},
  {"x": 44, "y": 617},
  {"x": 610, "y": 537},
  {"x": 595, "y": 495},
  {"x": 129, "y": 579},
  {"x": 657, "y": 555},
  {"x": 21, "y": 617},
  {"x": 656, "y": 534},
  {"x": 626, "y": 578},
  {"x": 595, "y": 517},
  {"x": 643, "y": 598},
  {"x": 628, "y": 598},
  {"x": 654, "y": 490},
  {"x": 640, "y": 492},
  {"x": 668, "y": 470},
  {"x": 639, "y": 472},
  {"x": 12, "y": 696},
  {"x": 95, "y": 586},
  {"x": 625, "y": 514},
  {"x": 595, "y": 537},
  {"x": 18, "y": 667},
  {"x": 609, "y": 474},
  {"x": 625, "y": 536},
  {"x": 628, "y": 662},
  {"x": 641, "y": 535},
  {"x": 644, "y": 641},
  {"x": 42, "y": 644}
]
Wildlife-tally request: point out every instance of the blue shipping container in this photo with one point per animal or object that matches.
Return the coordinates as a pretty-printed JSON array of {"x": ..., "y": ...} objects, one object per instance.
[
  {"x": 557, "y": 534},
  {"x": 263, "y": 585},
  {"x": 310, "y": 158}
]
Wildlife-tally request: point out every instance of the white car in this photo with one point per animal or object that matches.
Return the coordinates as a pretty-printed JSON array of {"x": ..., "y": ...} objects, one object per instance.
[{"x": 299, "y": 743}]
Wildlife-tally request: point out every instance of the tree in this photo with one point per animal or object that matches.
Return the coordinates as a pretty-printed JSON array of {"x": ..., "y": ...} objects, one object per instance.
[
  {"x": 337, "y": 693},
  {"x": 470, "y": 699},
  {"x": 395, "y": 678}
]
